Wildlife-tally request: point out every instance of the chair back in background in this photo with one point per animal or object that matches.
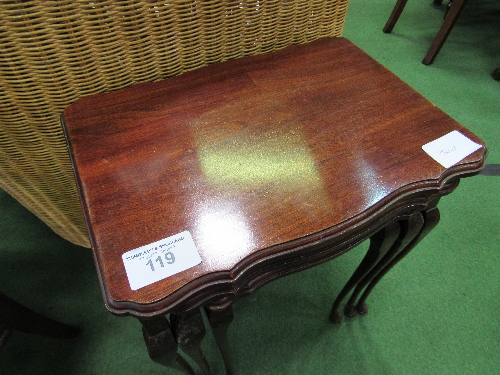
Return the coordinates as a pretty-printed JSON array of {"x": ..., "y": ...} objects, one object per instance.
[{"x": 53, "y": 52}]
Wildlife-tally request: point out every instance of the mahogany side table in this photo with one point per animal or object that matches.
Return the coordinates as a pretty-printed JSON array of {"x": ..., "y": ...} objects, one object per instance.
[{"x": 200, "y": 188}]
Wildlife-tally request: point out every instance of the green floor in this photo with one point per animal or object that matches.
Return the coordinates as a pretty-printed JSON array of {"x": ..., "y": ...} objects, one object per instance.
[{"x": 436, "y": 313}]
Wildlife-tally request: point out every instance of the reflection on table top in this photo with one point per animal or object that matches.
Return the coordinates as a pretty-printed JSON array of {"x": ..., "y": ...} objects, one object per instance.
[{"x": 247, "y": 155}]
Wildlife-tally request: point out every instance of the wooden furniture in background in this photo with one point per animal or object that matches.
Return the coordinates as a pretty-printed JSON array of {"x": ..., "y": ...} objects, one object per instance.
[
  {"x": 16, "y": 317},
  {"x": 454, "y": 10},
  {"x": 273, "y": 163}
]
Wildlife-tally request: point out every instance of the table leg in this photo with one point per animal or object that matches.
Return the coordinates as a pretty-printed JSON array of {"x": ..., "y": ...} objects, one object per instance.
[
  {"x": 189, "y": 331},
  {"x": 450, "y": 19},
  {"x": 430, "y": 220},
  {"x": 409, "y": 229},
  {"x": 220, "y": 319},
  {"x": 380, "y": 244},
  {"x": 161, "y": 344},
  {"x": 393, "y": 18}
]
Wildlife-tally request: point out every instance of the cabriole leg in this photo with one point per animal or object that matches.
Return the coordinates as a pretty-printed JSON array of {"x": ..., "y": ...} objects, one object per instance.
[
  {"x": 161, "y": 344},
  {"x": 189, "y": 330},
  {"x": 409, "y": 229},
  {"x": 220, "y": 320},
  {"x": 430, "y": 220},
  {"x": 380, "y": 243}
]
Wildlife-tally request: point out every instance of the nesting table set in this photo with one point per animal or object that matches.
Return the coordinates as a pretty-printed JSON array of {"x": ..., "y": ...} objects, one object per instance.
[{"x": 200, "y": 188}]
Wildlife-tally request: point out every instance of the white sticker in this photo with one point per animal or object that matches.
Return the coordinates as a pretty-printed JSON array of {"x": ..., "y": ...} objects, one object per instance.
[
  {"x": 161, "y": 259},
  {"x": 450, "y": 148}
]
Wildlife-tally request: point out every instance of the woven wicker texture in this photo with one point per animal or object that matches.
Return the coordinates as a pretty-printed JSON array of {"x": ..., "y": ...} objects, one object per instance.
[{"x": 53, "y": 52}]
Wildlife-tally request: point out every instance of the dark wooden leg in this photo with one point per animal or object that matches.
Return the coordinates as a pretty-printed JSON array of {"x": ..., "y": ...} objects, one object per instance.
[
  {"x": 161, "y": 344},
  {"x": 409, "y": 229},
  {"x": 16, "y": 317},
  {"x": 380, "y": 243},
  {"x": 393, "y": 18},
  {"x": 430, "y": 220},
  {"x": 220, "y": 320},
  {"x": 189, "y": 331},
  {"x": 449, "y": 21}
]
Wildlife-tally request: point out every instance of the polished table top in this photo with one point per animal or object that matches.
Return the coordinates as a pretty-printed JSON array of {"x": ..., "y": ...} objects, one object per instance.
[{"x": 254, "y": 157}]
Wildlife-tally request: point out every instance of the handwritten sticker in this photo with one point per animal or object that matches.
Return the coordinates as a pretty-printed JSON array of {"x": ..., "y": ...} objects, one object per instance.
[
  {"x": 450, "y": 148},
  {"x": 161, "y": 259}
]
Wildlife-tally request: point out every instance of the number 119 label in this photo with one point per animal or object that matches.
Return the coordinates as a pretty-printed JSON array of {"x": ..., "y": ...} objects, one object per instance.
[{"x": 161, "y": 259}]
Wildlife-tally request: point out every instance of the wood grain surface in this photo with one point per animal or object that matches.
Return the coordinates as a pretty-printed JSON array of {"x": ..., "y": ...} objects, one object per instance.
[{"x": 273, "y": 163}]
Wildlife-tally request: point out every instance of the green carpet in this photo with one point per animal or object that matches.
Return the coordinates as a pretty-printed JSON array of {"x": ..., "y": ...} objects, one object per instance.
[{"x": 437, "y": 312}]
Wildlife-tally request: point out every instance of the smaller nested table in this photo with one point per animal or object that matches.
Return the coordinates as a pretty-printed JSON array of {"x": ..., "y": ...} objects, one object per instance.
[{"x": 200, "y": 188}]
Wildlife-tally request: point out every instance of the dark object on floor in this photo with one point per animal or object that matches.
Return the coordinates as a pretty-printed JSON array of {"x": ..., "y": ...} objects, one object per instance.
[
  {"x": 16, "y": 317},
  {"x": 496, "y": 74}
]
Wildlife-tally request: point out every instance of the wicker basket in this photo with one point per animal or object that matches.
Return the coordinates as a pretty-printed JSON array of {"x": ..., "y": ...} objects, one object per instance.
[{"x": 53, "y": 52}]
